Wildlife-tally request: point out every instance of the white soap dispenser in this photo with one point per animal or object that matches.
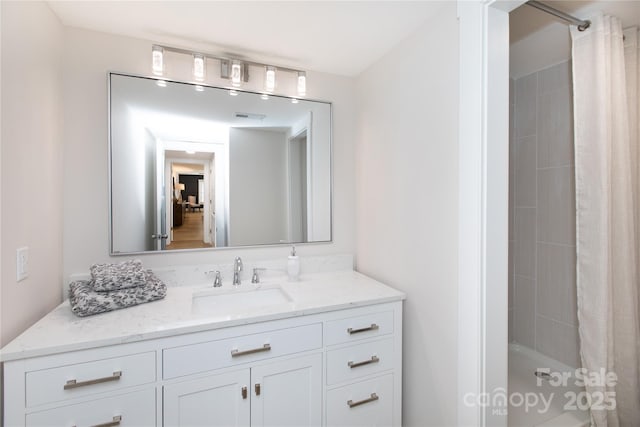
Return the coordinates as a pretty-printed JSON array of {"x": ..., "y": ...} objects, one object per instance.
[{"x": 293, "y": 265}]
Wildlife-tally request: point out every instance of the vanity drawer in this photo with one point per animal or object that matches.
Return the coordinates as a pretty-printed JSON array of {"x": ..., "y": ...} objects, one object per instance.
[
  {"x": 132, "y": 409},
  {"x": 208, "y": 356},
  {"x": 359, "y": 360},
  {"x": 366, "y": 403},
  {"x": 359, "y": 327},
  {"x": 56, "y": 384}
]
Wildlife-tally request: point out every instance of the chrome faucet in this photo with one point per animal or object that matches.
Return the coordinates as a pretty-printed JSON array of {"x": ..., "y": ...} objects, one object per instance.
[{"x": 237, "y": 268}]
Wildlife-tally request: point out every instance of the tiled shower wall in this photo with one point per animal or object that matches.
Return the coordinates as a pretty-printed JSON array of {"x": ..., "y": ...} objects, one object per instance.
[{"x": 542, "y": 279}]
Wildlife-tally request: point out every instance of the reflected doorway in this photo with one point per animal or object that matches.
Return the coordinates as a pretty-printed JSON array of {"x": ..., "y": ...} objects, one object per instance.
[{"x": 192, "y": 215}]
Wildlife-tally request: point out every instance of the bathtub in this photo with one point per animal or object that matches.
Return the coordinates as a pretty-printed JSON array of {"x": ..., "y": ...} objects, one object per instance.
[{"x": 546, "y": 389}]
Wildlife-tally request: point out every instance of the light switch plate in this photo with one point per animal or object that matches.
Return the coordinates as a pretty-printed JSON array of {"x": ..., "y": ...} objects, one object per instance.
[{"x": 22, "y": 263}]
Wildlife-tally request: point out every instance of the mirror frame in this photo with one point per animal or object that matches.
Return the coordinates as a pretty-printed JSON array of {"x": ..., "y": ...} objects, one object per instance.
[{"x": 255, "y": 246}]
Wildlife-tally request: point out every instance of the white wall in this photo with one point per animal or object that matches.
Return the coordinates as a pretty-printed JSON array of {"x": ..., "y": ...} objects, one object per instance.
[
  {"x": 87, "y": 57},
  {"x": 407, "y": 205},
  {"x": 257, "y": 187},
  {"x": 31, "y": 169}
]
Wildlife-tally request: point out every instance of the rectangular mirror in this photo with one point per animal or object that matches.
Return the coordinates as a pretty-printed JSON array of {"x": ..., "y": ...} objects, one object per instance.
[{"x": 202, "y": 167}]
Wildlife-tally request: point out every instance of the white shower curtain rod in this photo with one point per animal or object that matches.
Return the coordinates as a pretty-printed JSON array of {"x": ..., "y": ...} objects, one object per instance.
[{"x": 582, "y": 25}]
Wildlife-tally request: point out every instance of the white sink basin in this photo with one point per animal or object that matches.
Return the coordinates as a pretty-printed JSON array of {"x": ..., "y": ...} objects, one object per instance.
[{"x": 241, "y": 300}]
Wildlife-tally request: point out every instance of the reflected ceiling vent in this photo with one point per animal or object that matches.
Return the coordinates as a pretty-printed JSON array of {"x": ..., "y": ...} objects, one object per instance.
[{"x": 250, "y": 116}]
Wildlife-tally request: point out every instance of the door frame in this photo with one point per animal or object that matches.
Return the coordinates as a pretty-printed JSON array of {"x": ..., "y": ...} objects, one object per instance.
[{"x": 483, "y": 210}]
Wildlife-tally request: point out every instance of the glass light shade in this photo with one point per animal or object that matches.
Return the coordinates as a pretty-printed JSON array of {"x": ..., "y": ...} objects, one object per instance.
[
  {"x": 302, "y": 83},
  {"x": 157, "y": 60},
  {"x": 236, "y": 73},
  {"x": 270, "y": 79},
  {"x": 199, "y": 67}
]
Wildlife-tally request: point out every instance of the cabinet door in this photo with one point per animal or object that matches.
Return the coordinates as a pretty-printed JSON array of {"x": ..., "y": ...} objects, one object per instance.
[
  {"x": 218, "y": 400},
  {"x": 287, "y": 393}
]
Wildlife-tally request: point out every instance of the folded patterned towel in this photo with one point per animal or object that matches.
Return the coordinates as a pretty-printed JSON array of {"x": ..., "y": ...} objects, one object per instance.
[
  {"x": 86, "y": 301},
  {"x": 111, "y": 277}
]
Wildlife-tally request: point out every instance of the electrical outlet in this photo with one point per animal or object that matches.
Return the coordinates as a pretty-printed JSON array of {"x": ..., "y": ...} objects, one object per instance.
[{"x": 22, "y": 264}]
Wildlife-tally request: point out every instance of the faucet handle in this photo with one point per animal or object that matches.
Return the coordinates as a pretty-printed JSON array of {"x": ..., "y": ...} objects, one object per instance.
[
  {"x": 217, "y": 282},
  {"x": 237, "y": 263},
  {"x": 255, "y": 278}
]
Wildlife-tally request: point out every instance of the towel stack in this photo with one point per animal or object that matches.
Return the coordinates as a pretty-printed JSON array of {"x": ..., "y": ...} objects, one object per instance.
[{"x": 115, "y": 286}]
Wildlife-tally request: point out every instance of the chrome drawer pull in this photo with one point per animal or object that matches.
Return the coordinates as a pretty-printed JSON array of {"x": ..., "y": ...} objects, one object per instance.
[
  {"x": 236, "y": 352},
  {"x": 373, "y": 327},
  {"x": 353, "y": 404},
  {"x": 75, "y": 384},
  {"x": 374, "y": 359},
  {"x": 115, "y": 422}
]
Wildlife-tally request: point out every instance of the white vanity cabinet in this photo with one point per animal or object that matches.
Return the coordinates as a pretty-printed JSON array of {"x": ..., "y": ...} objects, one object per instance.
[{"x": 334, "y": 367}]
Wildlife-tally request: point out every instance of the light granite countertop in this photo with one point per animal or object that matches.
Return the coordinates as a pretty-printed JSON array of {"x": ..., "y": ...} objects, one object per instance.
[{"x": 61, "y": 331}]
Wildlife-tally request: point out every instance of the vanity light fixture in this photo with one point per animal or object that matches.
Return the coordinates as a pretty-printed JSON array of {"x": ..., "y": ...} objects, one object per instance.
[
  {"x": 161, "y": 83},
  {"x": 270, "y": 79},
  {"x": 199, "y": 88},
  {"x": 234, "y": 69},
  {"x": 302, "y": 83},
  {"x": 157, "y": 60},
  {"x": 236, "y": 74},
  {"x": 190, "y": 152},
  {"x": 233, "y": 92},
  {"x": 294, "y": 100},
  {"x": 199, "y": 67},
  {"x": 264, "y": 96}
]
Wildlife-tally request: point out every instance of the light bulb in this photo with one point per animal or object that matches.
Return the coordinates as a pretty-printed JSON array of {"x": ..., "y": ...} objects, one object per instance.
[
  {"x": 270, "y": 79},
  {"x": 264, "y": 96},
  {"x": 233, "y": 92},
  {"x": 198, "y": 67},
  {"x": 236, "y": 73},
  {"x": 157, "y": 60},
  {"x": 302, "y": 83},
  {"x": 161, "y": 83},
  {"x": 294, "y": 100},
  {"x": 199, "y": 88}
]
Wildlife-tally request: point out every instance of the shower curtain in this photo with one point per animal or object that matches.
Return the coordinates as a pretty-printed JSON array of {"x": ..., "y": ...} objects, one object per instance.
[{"x": 605, "y": 78}]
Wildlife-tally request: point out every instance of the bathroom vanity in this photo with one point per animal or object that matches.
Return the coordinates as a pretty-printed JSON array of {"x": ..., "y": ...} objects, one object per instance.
[{"x": 326, "y": 350}]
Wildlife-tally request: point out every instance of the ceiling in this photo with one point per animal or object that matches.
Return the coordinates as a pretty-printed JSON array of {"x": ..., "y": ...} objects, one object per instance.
[{"x": 338, "y": 37}]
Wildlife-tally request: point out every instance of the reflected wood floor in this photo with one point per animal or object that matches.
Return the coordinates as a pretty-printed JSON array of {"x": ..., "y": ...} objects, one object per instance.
[{"x": 189, "y": 235}]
